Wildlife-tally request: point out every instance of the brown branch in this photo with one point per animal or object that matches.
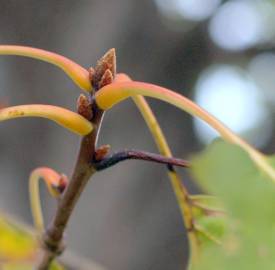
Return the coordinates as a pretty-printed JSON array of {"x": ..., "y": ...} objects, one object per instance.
[
  {"x": 52, "y": 242},
  {"x": 53, "y": 239},
  {"x": 117, "y": 157}
]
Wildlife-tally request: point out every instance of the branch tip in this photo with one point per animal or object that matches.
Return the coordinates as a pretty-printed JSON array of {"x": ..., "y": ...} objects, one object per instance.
[
  {"x": 106, "y": 79},
  {"x": 107, "y": 62}
]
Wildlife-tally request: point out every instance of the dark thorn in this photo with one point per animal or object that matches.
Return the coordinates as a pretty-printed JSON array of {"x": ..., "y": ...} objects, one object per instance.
[{"x": 138, "y": 155}]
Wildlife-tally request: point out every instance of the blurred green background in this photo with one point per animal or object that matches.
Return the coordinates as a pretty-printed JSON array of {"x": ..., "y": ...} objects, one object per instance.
[{"x": 218, "y": 53}]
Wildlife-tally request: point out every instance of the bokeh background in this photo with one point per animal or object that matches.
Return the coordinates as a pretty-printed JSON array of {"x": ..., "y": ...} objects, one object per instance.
[{"x": 218, "y": 53}]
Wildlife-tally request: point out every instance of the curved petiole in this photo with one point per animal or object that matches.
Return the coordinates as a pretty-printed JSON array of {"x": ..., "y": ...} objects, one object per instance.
[
  {"x": 76, "y": 72},
  {"x": 114, "y": 93},
  {"x": 55, "y": 183},
  {"x": 66, "y": 118}
]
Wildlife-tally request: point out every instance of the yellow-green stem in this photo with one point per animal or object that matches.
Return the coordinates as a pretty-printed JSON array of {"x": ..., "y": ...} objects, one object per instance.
[{"x": 180, "y": 191}]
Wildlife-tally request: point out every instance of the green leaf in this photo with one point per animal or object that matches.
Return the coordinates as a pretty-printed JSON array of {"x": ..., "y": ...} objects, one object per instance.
[
  {"x": 18, "y": 246},
  {"x": 210, "y": 229},
  {"x": 248, "y": 195},
  {"x": 209, "y": 218},
  {"x": 16, "y": 243},
  {"x": 207, "y": 202},
  {"x": 26, "y": 266}
]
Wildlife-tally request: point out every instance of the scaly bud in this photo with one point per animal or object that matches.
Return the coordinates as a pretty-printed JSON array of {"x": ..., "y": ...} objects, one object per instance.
[
  {"x": 102, "y": 151},
  {"x": 84, "y": 107},
  {"x": 61, "y": 184},
  {"x": 106, "y": 79},
  {"x": 108, "y": 61}
]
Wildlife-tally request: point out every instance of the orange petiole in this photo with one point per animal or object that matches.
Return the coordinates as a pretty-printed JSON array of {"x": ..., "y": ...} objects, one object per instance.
[
  {"x": 55, "y": 183},
  {"x": 116, "y": 92},
  {"x": 76, "y": 72},
  {"x": 66, "y": 118}
]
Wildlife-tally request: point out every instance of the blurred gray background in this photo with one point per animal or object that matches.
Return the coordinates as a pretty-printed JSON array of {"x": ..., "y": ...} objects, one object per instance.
[{"x": 219, "y": 53}]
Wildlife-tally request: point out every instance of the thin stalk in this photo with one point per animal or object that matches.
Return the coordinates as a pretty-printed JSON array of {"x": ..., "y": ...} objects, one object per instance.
[
  {"x": 114, "y": 93},
  {"x": 76, "y": 72},
  {"x": 180, "y": 191}
]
